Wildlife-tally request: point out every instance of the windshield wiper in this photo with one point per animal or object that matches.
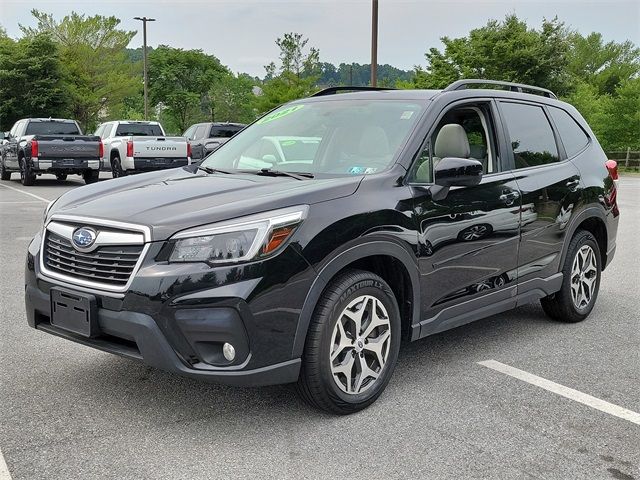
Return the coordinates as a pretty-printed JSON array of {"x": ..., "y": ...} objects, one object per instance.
[
  {"x": 212, "y": 170},
  {"x": 280, "y": 173}
]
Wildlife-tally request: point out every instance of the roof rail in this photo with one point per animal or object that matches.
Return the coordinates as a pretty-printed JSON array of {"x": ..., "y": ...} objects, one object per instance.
[
  {"x": 334, "y": 90},
  {"x": 514, "y": 87}
]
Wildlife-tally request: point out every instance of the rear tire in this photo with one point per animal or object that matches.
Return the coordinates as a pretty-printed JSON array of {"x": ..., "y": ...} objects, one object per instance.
[
  {"x": 4, "y": 173},
  {"x": 116, "y": 168},
  {"x": 27, "y": 177},
  {"x": 348, "y": 362},
  {"x": 581, "y": 281},
  {"x": 90, "y": 176}
]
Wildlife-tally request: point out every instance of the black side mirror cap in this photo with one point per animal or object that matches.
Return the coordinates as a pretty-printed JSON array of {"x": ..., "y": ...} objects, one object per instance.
[{"x": 457, "y": 172}]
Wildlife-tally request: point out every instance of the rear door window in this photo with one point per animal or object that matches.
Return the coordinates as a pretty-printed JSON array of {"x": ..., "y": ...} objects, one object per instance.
[
  {"x": 530, "y": 134},
  {"x": 573, "y": 137}
]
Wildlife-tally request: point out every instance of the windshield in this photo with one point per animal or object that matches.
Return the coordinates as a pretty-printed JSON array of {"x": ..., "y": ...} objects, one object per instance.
[
  {"x": 52, "y": 128},
  {"x": 138, "y": 130},
  {"x": 344, "y": 137}
]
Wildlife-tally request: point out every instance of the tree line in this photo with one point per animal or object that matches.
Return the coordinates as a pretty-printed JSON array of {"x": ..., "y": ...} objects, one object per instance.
[{"x": 79, "y": 66}]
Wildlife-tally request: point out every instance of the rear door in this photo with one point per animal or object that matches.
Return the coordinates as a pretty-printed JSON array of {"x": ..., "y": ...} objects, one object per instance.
[{"x": 550, "y": 185}]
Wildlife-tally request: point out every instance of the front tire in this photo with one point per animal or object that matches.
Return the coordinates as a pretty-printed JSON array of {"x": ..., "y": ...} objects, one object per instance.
[
  {"x": 352, "y": 344},
  {"x": 581, "y": 281}
]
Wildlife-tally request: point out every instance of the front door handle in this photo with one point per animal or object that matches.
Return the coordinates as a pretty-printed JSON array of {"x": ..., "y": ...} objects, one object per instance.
[
  {"x": 573, "y": 184},
  {"x": 509, "y": 197}
]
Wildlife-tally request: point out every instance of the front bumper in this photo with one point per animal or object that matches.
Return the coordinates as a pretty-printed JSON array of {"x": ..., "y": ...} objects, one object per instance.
[
  {"x": 137, "y": 336},
  {"x": 177, "y": 317}
]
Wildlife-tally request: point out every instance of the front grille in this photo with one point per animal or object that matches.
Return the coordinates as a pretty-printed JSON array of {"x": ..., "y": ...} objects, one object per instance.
[{"x": 109, "y": 265}]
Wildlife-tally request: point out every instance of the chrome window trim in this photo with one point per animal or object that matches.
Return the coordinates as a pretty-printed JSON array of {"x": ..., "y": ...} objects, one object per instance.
[{"x": 96, "y": 287}]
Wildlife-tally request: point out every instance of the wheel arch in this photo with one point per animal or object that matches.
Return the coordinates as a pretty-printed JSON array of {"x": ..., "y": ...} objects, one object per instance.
[
  {"x": 593, "y": 220},
  {"x": 394, "y": 263}
]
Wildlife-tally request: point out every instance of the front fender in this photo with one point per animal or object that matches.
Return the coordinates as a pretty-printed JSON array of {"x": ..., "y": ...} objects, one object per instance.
[{"x": 344, "y": 257}]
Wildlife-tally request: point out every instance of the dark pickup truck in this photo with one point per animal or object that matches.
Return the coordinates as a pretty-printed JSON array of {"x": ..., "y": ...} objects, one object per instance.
[{"x": 49, "y": 145}]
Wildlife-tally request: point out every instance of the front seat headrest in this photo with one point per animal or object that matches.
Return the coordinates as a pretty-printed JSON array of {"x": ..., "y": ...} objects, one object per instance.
[{"x": 452, "y": 141}]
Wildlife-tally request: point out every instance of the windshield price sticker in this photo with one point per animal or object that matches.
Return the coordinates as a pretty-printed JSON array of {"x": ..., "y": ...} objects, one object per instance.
[{"x": 279, "y": 114}]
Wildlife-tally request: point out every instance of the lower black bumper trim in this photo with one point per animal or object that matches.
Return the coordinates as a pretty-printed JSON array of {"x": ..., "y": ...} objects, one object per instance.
[{"x": 133, "y": 328}]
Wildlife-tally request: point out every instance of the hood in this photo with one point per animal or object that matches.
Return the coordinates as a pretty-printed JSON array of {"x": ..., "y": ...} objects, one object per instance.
[{"x": 172, "y": 200}]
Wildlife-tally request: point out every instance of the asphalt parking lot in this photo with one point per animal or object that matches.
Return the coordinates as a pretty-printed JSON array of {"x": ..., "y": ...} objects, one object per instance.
[{"x": 67, "y": 411}]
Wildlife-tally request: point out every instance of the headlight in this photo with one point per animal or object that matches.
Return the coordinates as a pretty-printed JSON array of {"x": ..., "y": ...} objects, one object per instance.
[{"x": 240, "y": 240}]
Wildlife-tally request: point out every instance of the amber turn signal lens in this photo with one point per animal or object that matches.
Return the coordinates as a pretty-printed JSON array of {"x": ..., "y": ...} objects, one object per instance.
[{"x": 277, "y": 237}]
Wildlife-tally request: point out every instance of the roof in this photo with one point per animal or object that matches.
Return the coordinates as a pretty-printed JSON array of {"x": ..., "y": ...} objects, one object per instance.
[
  {"x": 378, "y": 94},
  {"x": 459, "y": 88},
  {"x": 61, "y": 120},
  {"x": 136, "y": 122},
  {"x": 222, "y": 124}
]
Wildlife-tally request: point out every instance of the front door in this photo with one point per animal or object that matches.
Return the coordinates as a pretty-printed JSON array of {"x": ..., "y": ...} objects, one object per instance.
[{"x": 469, "y": 239}]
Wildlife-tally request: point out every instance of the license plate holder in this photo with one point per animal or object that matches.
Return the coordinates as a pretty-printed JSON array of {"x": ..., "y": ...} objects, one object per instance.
[{"x": 74, "y": 312}]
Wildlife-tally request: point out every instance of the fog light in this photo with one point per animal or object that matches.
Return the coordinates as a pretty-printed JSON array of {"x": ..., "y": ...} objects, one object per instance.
[{"x": 228, "y": 351}]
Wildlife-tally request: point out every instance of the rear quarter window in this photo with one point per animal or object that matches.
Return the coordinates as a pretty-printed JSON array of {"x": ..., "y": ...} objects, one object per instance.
[{"x": 573, "y": 137}]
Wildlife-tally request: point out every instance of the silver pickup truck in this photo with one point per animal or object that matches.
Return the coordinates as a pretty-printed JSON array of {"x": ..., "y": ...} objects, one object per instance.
[
  {"x": 137, "y": 146},
  {"x": 35, "y": 146}
]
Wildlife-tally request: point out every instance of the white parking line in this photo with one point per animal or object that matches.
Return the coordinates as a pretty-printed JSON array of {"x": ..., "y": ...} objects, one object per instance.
[
  {"x": 4, "y": 471},
  {"x": 26, "y": 193},
  {"x": 563, "y": 391}
]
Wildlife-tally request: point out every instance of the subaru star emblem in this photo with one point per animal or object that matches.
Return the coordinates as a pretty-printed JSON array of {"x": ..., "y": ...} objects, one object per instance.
[{"x": 83, "y": 238}]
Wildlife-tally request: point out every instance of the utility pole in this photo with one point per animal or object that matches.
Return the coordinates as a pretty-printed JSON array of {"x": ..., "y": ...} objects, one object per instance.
[
  {"x": 144, "y": 21},
  {"x": 374, "y": 43}
]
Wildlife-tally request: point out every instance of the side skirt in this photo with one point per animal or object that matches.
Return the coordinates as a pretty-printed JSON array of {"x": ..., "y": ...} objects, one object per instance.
[{"x": 476, "y": 309}]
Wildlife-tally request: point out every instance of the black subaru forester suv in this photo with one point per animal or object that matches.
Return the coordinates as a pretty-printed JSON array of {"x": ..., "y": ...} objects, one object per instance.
[{"x": 310, "y": 244}]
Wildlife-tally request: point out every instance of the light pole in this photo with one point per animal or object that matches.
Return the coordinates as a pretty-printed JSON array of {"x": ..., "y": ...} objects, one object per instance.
[
  {"x": 144, "y": 21},
  {"x": 374, "y": 43}
]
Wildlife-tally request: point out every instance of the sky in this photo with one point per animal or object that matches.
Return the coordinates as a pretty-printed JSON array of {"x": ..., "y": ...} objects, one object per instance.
[{"x": 242, "y": 33}]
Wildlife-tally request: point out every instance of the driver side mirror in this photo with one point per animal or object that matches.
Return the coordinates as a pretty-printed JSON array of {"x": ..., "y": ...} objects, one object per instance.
[{"x": 455, "y": 172}]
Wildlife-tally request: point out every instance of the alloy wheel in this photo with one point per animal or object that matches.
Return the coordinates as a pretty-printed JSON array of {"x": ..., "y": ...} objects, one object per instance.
[
  {"x": 360, "y": 344},
  {"x": 584, "y": 275},
  {"x": 474, "y": 233}
]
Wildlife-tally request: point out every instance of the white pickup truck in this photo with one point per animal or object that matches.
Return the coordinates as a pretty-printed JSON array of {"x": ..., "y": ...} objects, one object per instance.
[{"x": 139, "y": 146}]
